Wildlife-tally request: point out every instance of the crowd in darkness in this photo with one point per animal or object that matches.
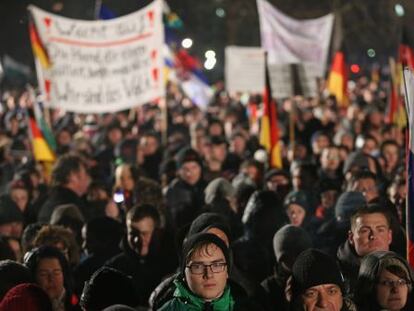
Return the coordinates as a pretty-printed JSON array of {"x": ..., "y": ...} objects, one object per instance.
[{"x": 178, "y": 209}]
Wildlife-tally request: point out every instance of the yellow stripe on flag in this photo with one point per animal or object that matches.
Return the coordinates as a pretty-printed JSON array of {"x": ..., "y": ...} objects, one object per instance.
[
  {"x": 265, "y": 140},
  {"x": 41, "y": 150},
  {"x": 335, "y": 87}
]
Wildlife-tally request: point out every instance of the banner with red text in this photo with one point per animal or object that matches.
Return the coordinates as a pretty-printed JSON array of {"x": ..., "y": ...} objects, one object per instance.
[{"x": 99, "y": 66}]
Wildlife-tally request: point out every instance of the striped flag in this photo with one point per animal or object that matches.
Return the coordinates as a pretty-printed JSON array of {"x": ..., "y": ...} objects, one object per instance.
[
  {"x": 44, "y": 127},
  {"x": 338, "y": 79},
  {"x": 269, "y": 130},
  {"x": 409, "y": 100},
  {"x": 42, "y": 151},
  {"x": 37, "y": 46}
]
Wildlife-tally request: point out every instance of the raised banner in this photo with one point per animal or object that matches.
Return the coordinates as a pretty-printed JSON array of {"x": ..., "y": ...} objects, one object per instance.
[
  {"x": 99, "y": 66},
  {"x": 409, "y": 103},
  {"x": 245, "y": 69},
  {"x": 292, "y": 41}
]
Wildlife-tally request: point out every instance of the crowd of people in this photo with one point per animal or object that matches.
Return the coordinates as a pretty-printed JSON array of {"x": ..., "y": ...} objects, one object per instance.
[{"x": 148, "y": 210}]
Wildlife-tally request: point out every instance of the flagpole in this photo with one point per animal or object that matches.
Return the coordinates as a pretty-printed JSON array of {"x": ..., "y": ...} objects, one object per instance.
[{"x": 98, "y": 6}]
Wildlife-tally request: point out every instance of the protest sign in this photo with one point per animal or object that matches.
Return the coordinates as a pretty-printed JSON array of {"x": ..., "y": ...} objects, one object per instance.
[
  {"x": 288, "y": 41},
  {"x": 99, "y": 66},
  {"x": 244, "y": 69}
]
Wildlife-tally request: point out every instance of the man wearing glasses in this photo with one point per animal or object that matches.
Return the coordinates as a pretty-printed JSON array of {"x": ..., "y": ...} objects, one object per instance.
[{"x": 202, "y": 283}]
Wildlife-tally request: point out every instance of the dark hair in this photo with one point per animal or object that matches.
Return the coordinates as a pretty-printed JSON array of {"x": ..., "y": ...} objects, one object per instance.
[
  {"x": 29, "y": 234},
  {"x": 33, "y": 258},
  {"x": 141, "y": 211},
  {"x": 65, "y": 165},
  {"x": 363, "y": 174},
  {"x": 371, "y": 267},
  {"x": 371, "y": 209}
]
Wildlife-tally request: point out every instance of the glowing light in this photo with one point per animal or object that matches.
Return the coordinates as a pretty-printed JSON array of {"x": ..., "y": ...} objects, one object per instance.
[
  {"x": 210, "y": 54},
  {"x": 399, "y": 10},
  {"x": 355, "y": 68},
  {"x": 371, "y": 53},
  {"x": 220, "y": 12},
  {"x": 210, "y": 63},
  {"x": 187, "y": 43}
]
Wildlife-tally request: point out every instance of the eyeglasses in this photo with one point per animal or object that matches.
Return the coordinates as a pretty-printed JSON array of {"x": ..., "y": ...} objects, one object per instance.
[
  {"x": 393, "y": 284},
  {"x": 199, "y": 268}
]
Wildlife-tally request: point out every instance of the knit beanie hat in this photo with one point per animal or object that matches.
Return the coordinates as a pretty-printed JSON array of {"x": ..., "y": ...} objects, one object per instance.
[
  {"x": 188, "y": 155},
  {"x": 26, "y": 296},
  {"x": 206, "y": 221},
  {"x": 355, "y": 159},
  {"x": 12, "y": 273},
  {"x": 198, "y": 239},
  {"x": 348, "y": 202},
  {"x": 297, "y": 197},
  {"x": 312, "y": 268},
  {"x": 218, "y": 188},
  {"x": 289, "y": 241},
  {"x": 107, "y": 287}
]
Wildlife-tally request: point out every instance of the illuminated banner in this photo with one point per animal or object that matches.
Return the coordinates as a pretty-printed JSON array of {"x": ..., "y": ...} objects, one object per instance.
[
  {"x": 292, "y": 41},
  {"x": 99, "y": 66}
]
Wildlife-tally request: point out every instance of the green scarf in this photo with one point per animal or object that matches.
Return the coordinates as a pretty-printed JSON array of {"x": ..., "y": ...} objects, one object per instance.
[{"x": 224, "y": 303}]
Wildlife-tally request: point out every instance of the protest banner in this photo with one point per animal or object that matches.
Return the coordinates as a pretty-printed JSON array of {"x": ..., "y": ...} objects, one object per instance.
[
  {"x": 244, "y": 69},
  {"x": 292, "y": 41},
  {"x": 99, "y": 66},
  {"x": 408, "y": 79}
]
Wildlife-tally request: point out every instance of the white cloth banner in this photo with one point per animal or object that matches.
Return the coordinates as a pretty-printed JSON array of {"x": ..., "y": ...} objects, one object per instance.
[
  {"x": 292, "y": 41},
  {"x": 409, "y": 103},
  {"x": 244, "y": 69},
  {"x": 101, "y": 66}
]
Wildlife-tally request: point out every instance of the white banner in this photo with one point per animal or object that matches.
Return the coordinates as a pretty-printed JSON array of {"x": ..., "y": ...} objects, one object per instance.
[
  {"x": 292, "y": 41},
  {"x": 409, "y": 103},
  {"x": 101, "y": 66},
  {"x": 244, "y": 69}
]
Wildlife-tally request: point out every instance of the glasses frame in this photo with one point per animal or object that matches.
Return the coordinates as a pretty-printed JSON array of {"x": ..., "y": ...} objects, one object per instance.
[
  {"x": 218, "y": 266},
  {"x": 394, "y": 284}
]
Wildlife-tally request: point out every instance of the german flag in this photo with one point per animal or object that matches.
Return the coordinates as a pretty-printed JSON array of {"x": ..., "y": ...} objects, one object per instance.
[
  {"x": 42, "y": 152},
  {"x": 269, "y": 130},
  {"x": 37, "y": 46},
  {"x": 338, "y": 79}
]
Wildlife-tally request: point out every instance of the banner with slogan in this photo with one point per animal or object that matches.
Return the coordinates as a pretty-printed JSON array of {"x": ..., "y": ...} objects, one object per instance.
[
  {"x": 99, "y": 66},
  {"x": 409, "y": 103},
  {"x": 244, "y": 69},
  {"x": 292, "y": 41}
]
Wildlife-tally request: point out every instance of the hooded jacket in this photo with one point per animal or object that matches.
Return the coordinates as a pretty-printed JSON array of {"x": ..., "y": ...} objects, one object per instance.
[
  {"x": 349, "y": 263},
  {"x": 253, "y": 252},
  {"x": 184, "y": 299}
]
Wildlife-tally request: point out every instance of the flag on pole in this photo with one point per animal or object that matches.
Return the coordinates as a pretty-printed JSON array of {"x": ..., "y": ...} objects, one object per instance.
[
  {"x": 409, "y": 100},
  {"x": 42, "y": 152},
  {"x": 338, "y": 79},
  {"x": 269, "y": 130},
  {"x": 44, "y": 127},
  {"x": 37, "y": 46}
]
